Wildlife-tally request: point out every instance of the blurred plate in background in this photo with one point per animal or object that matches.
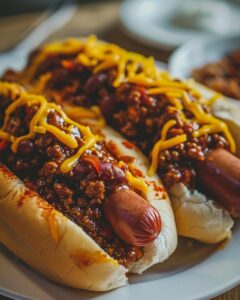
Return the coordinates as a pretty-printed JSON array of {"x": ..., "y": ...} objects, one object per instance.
[
  {"x": 168, "y": 24},
  {"x": 199, "y": 52}
]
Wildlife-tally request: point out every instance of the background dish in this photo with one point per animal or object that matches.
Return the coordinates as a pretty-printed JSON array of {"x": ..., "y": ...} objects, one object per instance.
[
  {"x": 199, "y": 52},
  {"x": 169, "y": 24}
]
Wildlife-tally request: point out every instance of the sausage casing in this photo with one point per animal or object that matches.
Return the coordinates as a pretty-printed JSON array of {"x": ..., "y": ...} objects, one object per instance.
[
  {"x": 132, "y": 218},
  {"x": 219, "y": 176}
]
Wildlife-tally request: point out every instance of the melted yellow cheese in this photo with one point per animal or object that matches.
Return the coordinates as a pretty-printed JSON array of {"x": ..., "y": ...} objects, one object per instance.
[
  {"x": 79, "y": 113},
  {"x": 41, "y": 83},
  {"x": 11, "y": 108},
  {"x": 84, "y": 60},
  {"x": 107, "y": 64},
  {"x": 172, "y": 142},
  {"x": 205, "y": 129},
  {"x": 157, "y": 146},
  {"x": 62, "y": 136},
  {"x": 43, "y": 103},
  {"x": 137, "y": 183},
  {"x": 69, "y": 163},
  {"x": 4, "y": 135},
  {"x": 83, "y": 129},
  {"x": 175, "y": 101},
  {"x": 204, "y": 118},
  {"x": 39, "y": 124},
  {"x": 212, "y": 99},
  {"x": 120, "y": 78},
  {"x": 10, "y": 90}
]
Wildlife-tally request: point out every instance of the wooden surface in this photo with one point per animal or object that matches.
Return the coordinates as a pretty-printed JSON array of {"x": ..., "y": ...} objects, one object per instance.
[{"x": 100, "y": 18}]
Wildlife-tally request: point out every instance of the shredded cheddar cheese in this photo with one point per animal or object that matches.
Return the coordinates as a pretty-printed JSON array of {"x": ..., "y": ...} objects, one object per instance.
[
  {"x": 40, "y": 86},
  {"x": 70, "y": 162},
  {"x": 79, "y": 113},
  {"x": 39, "y": 124},
  {"x": 159, "y": 146},
  {"x": 4, "y": 135},
  {"x": 33, "y": 122},
  {"x": 135, "y": 182},
  {"x": 136, "y": 69},
  {"x": 10, "y": 90},
  {"x": 212, "y": 100}
]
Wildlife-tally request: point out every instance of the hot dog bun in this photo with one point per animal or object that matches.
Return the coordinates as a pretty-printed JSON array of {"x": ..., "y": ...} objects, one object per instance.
[
  {"x": 198, "y": 217},
  {"x": 73, "y": 258}
]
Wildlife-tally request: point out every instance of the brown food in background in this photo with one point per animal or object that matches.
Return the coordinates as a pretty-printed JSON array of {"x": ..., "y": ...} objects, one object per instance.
[{"x": 222, "y": 76}]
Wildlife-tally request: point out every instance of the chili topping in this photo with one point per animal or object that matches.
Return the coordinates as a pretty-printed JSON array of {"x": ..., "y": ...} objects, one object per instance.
[
  {"x": 167, "y": 118},
  {"x": 66, "y": 164}
]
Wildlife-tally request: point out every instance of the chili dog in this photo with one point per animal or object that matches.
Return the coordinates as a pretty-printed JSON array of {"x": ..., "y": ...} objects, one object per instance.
[
  {"x": 167, "y": 119},
  {"x": 68, "y": 206}
]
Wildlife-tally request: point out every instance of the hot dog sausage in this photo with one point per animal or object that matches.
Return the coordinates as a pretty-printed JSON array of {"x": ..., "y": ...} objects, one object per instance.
[
  {"x": 132, "y": 218},
  {"x": 219, "y": 176}
]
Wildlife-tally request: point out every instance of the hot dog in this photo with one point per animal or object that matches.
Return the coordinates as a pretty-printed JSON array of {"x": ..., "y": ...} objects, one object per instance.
[
  {"x": 219, "y": 175},
  {"x": 136, "y": 221},
  {"x": 62, "y": 191},
  {"x": 167, "y": 119}
]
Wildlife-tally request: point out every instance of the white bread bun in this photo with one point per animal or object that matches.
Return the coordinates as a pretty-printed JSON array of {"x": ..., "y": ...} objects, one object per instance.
[
  {"x": 198, "y": 217},
  {"x": 60, "y": 249},
  {"x": 72, "y": 258}
]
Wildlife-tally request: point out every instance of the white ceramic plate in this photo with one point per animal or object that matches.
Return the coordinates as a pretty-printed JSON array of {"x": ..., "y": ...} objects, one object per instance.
[
  {"x": 199, "y": 52},
  {"x": 169, "y": 24},
  {"x": 195, "y": 271}
]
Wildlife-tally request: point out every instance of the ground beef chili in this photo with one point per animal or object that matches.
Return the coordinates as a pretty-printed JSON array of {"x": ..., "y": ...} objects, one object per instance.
[
  {"x": 129, "y": 109},
  {"x": 222, "y": 76},
  {"x": 79, "y": 193}
]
